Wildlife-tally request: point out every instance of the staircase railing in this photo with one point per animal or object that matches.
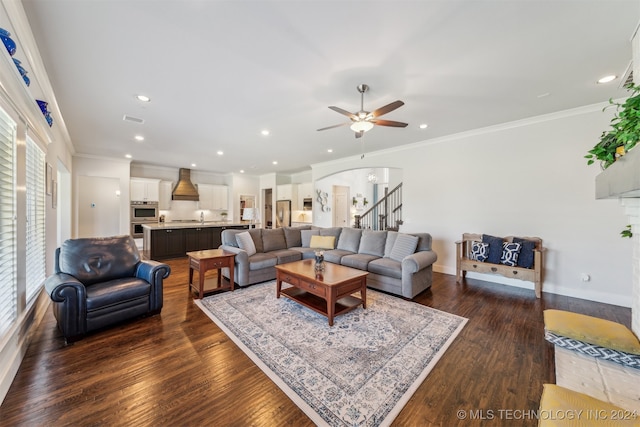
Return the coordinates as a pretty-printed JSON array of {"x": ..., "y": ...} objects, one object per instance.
[{"x": 386, "y": 214}]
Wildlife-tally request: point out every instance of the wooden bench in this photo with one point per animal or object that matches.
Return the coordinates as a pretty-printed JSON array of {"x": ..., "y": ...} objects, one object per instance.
[{"x": 464, "y": 262}]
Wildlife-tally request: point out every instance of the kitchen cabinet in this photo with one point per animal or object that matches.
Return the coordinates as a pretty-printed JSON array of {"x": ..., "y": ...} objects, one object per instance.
[
  {"x": 164, "y": 198},
  {"x": 200, "y": 238},
  {"x": 284, "y": 192},
  {"x": 213, "y": 197},
  {"x": 144, "y": 189},
  {"x": 305, "y": 191},
  {"x": 167, "y": 243}
]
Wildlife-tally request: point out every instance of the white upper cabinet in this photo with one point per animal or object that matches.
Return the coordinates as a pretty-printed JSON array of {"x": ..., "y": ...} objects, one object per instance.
[
  {"x": 164, "y": 200},
  {"x": 284, "y": 192},
  {"x": 144, "y": 190},
  {"x": 305, "y": 191},
  {"x": 213, "y": 197}
]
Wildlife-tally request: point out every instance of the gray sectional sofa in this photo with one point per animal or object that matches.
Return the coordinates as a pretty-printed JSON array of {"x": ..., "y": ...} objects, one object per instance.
[{"x": 398, "y": 263}]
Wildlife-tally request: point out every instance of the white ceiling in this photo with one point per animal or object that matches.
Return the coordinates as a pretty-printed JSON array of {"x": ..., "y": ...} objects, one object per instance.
[{"x": 219, "y": 72}]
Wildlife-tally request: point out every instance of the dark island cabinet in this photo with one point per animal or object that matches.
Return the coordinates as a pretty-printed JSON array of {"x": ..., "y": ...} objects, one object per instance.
[
  {"x": 200, "y": 238},
  {"x": 169, "y": 243}
]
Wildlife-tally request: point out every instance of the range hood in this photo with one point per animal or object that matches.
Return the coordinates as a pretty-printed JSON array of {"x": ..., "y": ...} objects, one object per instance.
[{"x": 184, "y": 189}]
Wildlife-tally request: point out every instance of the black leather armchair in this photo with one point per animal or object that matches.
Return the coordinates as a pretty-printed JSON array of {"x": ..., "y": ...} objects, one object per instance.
[{"x": 101, "y": 281}]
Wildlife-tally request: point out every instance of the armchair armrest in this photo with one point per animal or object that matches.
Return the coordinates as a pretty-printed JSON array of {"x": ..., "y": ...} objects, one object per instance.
[
  {"x": 417, "y": 261},
  {"x": 70, "y": 308},
  {"x": 153, "y": 272}
]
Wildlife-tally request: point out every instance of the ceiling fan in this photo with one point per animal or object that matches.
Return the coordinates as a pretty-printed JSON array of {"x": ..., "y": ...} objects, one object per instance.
[{"x": 363, "y": 121}]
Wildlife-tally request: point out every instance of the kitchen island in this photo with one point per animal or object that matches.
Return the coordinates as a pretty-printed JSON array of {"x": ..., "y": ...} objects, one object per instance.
[{"x": 174, "y": 239}]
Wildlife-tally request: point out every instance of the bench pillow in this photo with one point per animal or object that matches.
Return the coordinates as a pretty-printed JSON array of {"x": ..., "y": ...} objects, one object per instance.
[
  {"x": 510, "y": 252},
  {"x": 479, "y": 251},
  {"x": 525, "y": 259},
  {"x": 495, "y": 248},
  {"x": 245, "y": 242},
  {"x": 305, "y": 237},
  {"x": 322, "y": 242},
  {"x": 404, "y": 246}
]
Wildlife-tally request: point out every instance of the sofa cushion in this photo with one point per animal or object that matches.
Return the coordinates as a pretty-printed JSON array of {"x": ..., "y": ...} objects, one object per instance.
[
  {"x": 305, "y": 237},
  {"x": 99, "y": 259},
  {"x": 349, "y": 239},
  {"x": 359, "y": 261},
  {"x": 331, "y": 231},
  {"x": 307, "y": 253},
  {"x": 335, "y": 255},
  {"x": 323, "y": 242},
  {"x": 525, "y": 259},
  {"x": 273, "y": 240},
  {"x": 388, "y": 246},
  {"x": 262, "y": 260},
  {"x": 510, "y": 252},
  {"x": 287, "y": 255},
  {"x": 116, "y": 291},
  {"x": 495, "y": 248},
  {"x": 386, "y": 267},
  {"x": 292, "y": 236},
  {"x": 245, "y": 242},
  {"x": 373, "y": 242},
  {"x": 404, "y": 246},
  {"x": 479, "y": 251}
]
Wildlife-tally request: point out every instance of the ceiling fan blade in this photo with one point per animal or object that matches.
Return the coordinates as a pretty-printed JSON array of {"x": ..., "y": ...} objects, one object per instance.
[
  {"x": 359, "y": 134},
  {"x": 390, "y": 123},
  {"x": 345, "y": 112},
  {"x": 386, "y": 109},
  {"x": 336, "y": 126}
]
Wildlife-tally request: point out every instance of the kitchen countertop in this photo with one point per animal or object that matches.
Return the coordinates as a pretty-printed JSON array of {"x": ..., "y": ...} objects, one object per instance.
[{"x": 192, "y": 224}]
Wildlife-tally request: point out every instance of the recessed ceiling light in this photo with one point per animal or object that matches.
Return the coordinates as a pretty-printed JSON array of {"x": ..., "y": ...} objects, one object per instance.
[
  {"x": 139, "y": 138},
  {"x": 128, "y": 156},
  {"x": 423, "y": 126},
  {"x": 193, "y": 165},
  {"x": 265, "y": 132},
  {"x": 143, "y": 98},
  {"x": 241, "y": 170},
  {"x": 220, "y": 152},
  {"x": 275, "y": 162},
  {"x": 607, "y": 79},
  {"x": 330, "y": 150}
]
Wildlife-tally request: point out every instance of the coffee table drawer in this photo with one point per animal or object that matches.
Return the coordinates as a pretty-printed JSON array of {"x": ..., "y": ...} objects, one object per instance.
[
  {"x": 290, "y": 279},
  {"x": 312, "y": 287}
]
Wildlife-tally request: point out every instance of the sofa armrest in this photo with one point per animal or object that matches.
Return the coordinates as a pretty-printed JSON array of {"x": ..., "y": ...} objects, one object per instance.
[
  {"x": 418, "y": 261},
  {"x": 70, "y": 310},
  {"x": 241, "y": 262}
]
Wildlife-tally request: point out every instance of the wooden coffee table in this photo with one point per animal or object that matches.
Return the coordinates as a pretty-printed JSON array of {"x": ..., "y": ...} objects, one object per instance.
[
  {"x": 202, "y": 261},
  {"x": 328, "y": 292}
]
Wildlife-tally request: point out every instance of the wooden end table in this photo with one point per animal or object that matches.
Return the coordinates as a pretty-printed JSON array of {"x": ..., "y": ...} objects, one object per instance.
[
  {"x": 328, "y": 292},
  {"x": 202, "y": 261}
]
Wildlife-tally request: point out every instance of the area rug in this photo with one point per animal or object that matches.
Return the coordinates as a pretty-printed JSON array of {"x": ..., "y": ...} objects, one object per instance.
[{"x": 360, "y": 372}]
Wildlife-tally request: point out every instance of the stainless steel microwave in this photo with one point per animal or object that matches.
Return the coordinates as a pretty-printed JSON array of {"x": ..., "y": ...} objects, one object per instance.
[
  {"x": 307, "y": 204},
  {"x": 144, "y": 211}
]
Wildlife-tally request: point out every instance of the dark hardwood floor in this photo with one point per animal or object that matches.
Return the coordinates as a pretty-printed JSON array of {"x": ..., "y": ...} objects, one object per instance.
[{"x": 179, "y": 368}]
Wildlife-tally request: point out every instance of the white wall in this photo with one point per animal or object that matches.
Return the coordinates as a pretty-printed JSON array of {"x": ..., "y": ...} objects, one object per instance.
[{"x": 521, "y": 178}]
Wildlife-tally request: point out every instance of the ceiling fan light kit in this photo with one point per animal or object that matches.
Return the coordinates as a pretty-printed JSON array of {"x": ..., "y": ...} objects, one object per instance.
[{"x": 363, "y": 121}]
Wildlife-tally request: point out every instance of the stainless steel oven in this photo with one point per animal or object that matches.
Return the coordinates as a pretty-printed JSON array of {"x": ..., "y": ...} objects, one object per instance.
[
  {"x": 144, "y": 211},
  {"x": 136, "y": 229}
]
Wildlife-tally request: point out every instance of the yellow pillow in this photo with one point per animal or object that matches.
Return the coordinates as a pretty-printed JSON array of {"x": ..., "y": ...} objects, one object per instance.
[
  {"x": 560, "y": 406},
  {"x": 322, "y": 242},
  {"x": 592, "y": 330}
]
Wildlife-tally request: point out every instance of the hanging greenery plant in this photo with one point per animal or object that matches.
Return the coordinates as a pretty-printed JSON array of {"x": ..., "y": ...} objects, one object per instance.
[{"x": 624, "y": 133}]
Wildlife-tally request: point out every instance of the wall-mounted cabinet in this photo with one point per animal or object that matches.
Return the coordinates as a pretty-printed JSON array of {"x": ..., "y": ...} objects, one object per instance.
[
  {"x": 285, "y": 192},
  {"x": 164, "y": 198},
  {"x": 213, "y": 197},
  {"x": 305, "y": 191},
  {"x": 144, "y": 189}
]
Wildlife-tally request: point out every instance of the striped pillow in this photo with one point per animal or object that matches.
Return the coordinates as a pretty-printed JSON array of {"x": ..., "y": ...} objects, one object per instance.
[{"x": 404, "y": 246}]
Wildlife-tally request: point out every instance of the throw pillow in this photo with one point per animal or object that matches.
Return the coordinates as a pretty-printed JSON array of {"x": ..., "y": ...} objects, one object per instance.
[
  {"x": 404, "y": 246},
  {"x": 245, "y": 242},
  {"x": 350, "y": 239},
  {"x": 510, "y": 252},
  {"x": 479, "y": 251},
  {"x": 372, "y": 242},
  {"x": 525, "y": 259},
  {"x": 305, "y": 236},
  {"x": 322, "y": 242},
  {"x": 495, "y": 248}
]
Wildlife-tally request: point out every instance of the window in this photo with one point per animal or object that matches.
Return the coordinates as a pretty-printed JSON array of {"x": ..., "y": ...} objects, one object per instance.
[
  {"x": 35, "y": 193},
  {"x": 8, "y": 292}
]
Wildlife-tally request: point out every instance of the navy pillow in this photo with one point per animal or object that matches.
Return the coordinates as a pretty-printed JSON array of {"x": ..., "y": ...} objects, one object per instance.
[
  {"x": 525, "y": 259},
  {"x": 495, "y": 248}
]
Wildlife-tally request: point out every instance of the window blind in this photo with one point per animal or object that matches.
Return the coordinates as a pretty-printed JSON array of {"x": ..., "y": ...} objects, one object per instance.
[
  {"x": 8, "y": 292},
  {"x": 35, "y": 194}
]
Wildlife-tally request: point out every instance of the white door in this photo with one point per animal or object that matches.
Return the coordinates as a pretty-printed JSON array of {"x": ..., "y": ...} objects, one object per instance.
[
  {"x": 341, "y": 206},
  {"x": 99, "y": 210}
]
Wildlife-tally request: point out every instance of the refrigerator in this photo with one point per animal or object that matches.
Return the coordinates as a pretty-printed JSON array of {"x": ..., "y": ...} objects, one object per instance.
[{"x": 283, "y": 213}]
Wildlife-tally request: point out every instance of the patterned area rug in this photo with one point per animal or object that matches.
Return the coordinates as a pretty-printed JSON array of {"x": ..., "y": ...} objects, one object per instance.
[{"x": 360, "y": 372}]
